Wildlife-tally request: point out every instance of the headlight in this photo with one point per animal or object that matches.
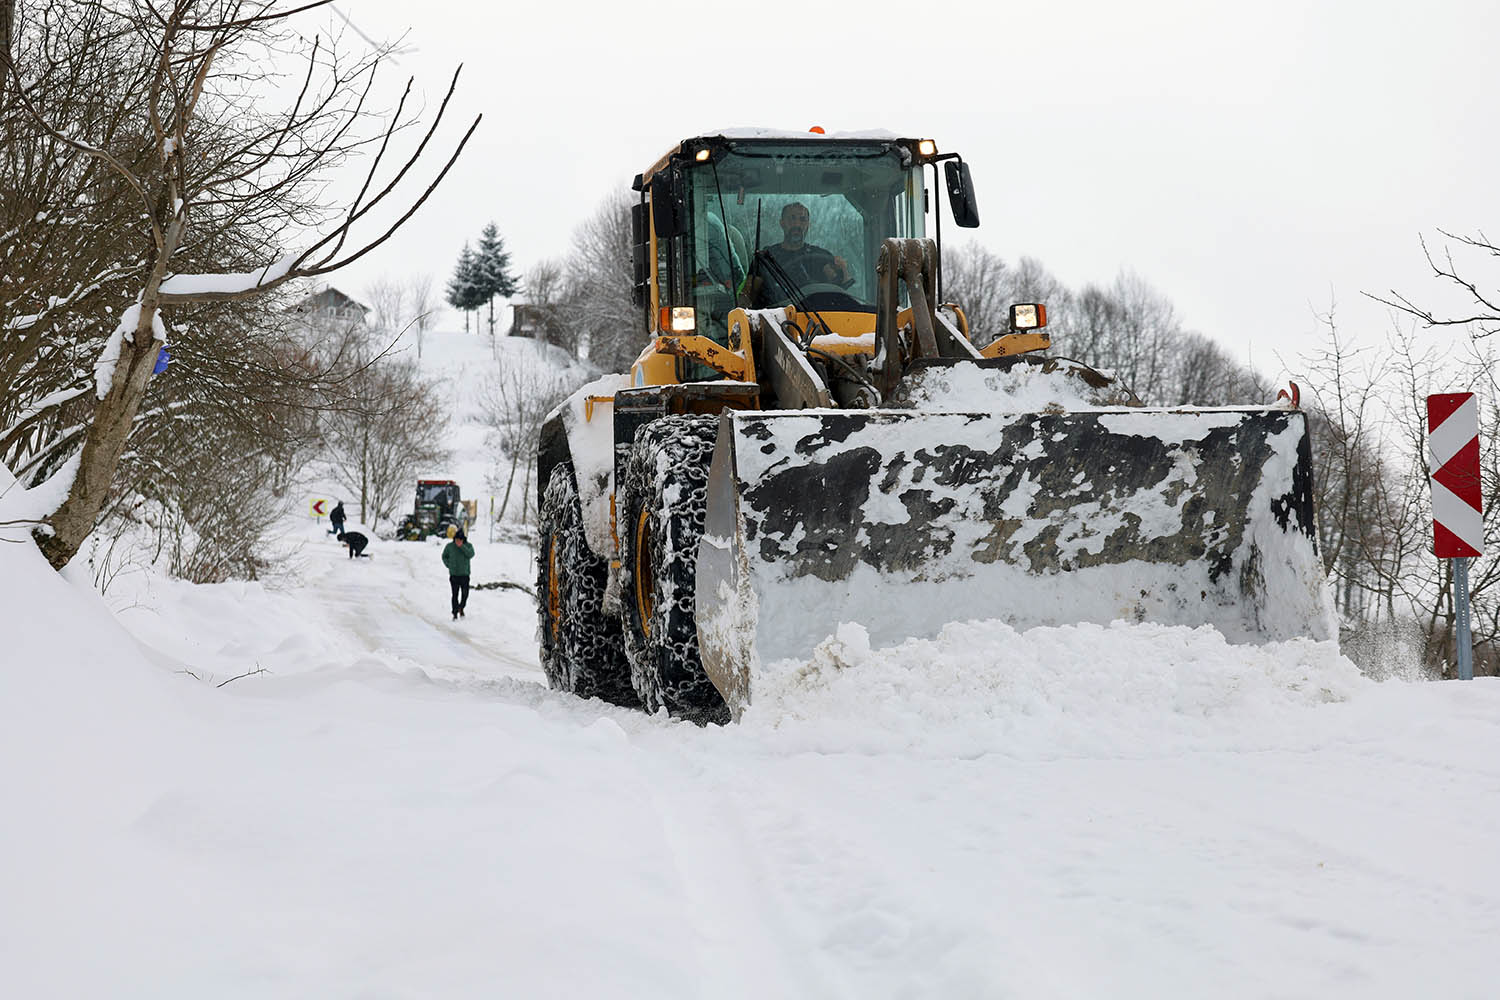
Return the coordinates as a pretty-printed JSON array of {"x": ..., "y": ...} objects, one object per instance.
[{"x": 1028, "y": 316}]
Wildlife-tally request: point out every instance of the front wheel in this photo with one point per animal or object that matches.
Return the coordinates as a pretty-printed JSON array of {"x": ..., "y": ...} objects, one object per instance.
[
  {"x": 663, "y": 499},
  {"x": 581, "y": 648}
]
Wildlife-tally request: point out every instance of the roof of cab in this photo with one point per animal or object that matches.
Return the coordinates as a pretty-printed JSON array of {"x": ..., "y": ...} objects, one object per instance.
[{"x": 784, "y": 135}]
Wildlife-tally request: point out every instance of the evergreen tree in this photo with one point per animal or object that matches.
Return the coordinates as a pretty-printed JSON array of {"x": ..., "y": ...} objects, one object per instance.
[
  {"x": 465, "y": 291},
  {"x": 492, "y": 270}
]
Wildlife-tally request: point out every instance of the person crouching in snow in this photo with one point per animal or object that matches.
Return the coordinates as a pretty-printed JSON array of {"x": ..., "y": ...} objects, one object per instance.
[
  {"x": 456, "y": 556},
  {"x": 355, "y": 541}
]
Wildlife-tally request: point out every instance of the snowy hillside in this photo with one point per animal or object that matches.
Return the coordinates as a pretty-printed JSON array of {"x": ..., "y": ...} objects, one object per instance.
[
  {"x": 471, "y": 368},
  {"x": 334, "y": 790}
]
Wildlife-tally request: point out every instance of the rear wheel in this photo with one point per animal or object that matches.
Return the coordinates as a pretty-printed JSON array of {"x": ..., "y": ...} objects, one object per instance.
[
  {"x": 581, "y": 647},
  {"x": 662, "y": 502}
]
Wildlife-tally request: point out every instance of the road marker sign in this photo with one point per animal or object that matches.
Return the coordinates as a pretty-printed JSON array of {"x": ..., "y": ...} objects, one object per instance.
[
  {"x": 1453, "y": 445},
  {"x": 1457, "y": 502},
  {"x": 316, "y": 505}
]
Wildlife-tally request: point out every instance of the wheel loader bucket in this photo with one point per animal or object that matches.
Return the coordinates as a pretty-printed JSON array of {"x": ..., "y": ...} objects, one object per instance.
[{"x": 904, "y": 521}]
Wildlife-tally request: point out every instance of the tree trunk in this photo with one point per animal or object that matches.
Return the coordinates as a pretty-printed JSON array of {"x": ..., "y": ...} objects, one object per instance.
[
  {"x": 7, "y": 22},
  {"x": 104, "y": 442},
  {"x": 364, "y": 475},
  {"x": 526, "y": 491},
  {"x": 505, "y": 501}
]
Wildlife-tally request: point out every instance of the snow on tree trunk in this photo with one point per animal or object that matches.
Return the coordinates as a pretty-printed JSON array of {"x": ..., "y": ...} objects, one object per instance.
[{"x": 69, "y": 526}]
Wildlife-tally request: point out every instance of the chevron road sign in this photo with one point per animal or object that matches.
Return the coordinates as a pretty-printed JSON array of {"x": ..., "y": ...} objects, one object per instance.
[
  {"x": 1453, "y": 444},
  {"x": 1457, "y": 503}
]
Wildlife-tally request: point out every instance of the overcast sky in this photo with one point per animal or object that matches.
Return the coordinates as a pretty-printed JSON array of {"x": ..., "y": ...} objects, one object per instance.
[{"x": 1256, "y": 163}]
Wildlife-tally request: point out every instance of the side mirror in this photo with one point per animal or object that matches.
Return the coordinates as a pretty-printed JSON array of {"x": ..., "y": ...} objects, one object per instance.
[
  {"x": 640, "y": 249},
  {"x": 664, "y": 208},
  {"x": 961, "y": 194}
]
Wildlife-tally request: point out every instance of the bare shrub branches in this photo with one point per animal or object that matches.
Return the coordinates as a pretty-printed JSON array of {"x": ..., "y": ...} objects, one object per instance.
[
  {"x": 384, "y": 425},
  {"x": 147, "y": 167},
  {"x": 1481, "y": 315}
]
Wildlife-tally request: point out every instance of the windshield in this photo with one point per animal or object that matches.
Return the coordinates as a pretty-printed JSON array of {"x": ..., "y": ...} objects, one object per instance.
[
  {"x": 438, "y": 493},
  {"x": 770, "y": 223}
]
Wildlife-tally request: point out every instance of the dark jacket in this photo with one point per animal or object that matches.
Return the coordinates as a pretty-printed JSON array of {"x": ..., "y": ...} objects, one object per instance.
[
  {"x": 337, "y": 514},
  {"x": 356, "y": 542},
  {"x": 456, "y": 557}
]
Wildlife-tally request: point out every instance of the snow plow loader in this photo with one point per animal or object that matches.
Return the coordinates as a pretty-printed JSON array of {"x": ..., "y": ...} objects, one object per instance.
[{"x": 811, "y": 437}]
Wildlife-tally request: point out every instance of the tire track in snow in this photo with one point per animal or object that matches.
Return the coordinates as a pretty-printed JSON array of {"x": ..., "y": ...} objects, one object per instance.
[
  {"x": 394, "y": 605},
  {"x": 743, "y": 935}
]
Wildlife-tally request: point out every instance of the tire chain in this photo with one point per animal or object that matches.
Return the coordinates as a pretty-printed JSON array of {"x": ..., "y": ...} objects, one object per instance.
[
  {"x": 670, "y": 457},
  {"x": 588, "y": 657}
]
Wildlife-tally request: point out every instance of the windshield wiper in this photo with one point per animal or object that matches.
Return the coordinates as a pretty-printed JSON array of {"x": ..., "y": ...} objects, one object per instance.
[
  {"x": 734, "y": 279},
  {"x": 794, "y": 292}
]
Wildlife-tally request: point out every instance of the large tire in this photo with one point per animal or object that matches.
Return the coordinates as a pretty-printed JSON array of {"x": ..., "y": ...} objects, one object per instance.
[
  {"x": 662, "y": 502},
  {"x": 581, "y": 648}
]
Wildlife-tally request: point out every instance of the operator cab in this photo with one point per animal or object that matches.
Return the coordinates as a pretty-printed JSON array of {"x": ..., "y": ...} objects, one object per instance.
[
  {"x": 718, "y": 204},
  {"x": 441, "y": 492}
]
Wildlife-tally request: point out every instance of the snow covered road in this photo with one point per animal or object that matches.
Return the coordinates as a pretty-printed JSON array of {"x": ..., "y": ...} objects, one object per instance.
[
  {"x": 398, "y": 807},
  {"x": 397, "y": 602}
]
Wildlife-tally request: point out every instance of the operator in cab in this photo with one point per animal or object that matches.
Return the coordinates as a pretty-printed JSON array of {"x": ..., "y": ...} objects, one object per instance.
[{"x": 802, "y": 262}]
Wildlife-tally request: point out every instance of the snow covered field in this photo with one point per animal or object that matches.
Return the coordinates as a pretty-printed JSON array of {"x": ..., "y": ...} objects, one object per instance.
[{"x": 333, "y": 790}]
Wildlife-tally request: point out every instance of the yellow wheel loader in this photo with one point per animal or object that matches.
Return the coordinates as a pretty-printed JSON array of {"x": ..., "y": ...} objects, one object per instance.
[{"x": 811, "y": 437}]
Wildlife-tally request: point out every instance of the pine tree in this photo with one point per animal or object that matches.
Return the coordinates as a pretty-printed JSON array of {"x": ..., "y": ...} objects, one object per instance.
[
  {"x": 464, "y": 289},
  {"x": 492, "y": 270}
]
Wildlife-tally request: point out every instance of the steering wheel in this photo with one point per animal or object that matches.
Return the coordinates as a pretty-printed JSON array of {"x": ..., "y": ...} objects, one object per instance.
[
  {"x": 815, "y": 267},
  {"x": 834, "y": 298}
]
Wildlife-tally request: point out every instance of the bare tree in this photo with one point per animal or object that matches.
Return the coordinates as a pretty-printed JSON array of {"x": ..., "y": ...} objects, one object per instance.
[
  {"x": 546, "y": 290},
  {"x": 514, "y": 401},
  {"x": 1368, "y": 412},
  {"x": 1480, "y": 312},
  {"x": 1200, "y": 372},
  {"x": 986, "y": 287},
  {"x": 7, "y": 24},
  {"x": 223, "y": 433},
  {"x": 213, "y": 178},
  {"x": 387, "y": 300},
  {"x": 420, "y": 303},
  {"x": 1474, "y": 307},
  {"x": 387, "y": 424},
  {"x": 600, "y": 276},
  {"x": 1132, "y": 330},
  {"x": 1363, "y": 501},
  {"x": 65, "y": 224},
  {"x": 980, "y": 283}
]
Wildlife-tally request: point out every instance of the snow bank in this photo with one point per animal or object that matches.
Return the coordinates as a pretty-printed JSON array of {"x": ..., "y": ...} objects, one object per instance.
[
  {"x": 1021, "y": 388},
  {"x": 76, "y": 685},
  {"x": 1087, "y": 690},
  {"x": 22, "y": 508},
  {"x": 89, "y": 729}
]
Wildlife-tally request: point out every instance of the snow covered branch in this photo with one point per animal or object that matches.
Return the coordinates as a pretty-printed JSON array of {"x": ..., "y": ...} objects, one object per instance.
[{"x": 188, "y": 188}]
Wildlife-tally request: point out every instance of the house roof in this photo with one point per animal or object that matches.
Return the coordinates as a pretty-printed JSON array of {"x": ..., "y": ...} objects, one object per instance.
[{"x": 330, "y": 299}]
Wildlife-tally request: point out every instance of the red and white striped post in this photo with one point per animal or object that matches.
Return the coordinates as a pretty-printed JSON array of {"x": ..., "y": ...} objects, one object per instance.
[{"x": 1457, "y": 503}]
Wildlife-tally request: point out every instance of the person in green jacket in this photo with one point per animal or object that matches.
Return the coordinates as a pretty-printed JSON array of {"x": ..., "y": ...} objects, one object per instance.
[{"x": 456, "y": 556}]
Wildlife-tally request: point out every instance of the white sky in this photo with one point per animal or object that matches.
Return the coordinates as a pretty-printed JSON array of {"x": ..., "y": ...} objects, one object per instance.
[{"x": 1255, "y": 163}]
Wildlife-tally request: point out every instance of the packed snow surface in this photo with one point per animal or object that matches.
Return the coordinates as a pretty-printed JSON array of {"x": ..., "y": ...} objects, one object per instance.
[{"x": 331, "y": 789}]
